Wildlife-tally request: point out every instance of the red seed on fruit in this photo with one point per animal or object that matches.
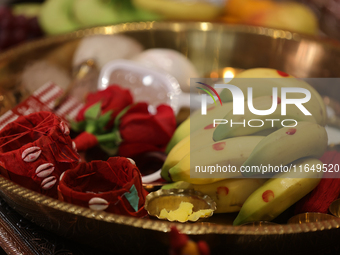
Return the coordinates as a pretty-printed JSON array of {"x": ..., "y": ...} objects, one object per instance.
[
  {"x": 222, "y": 190},
  {"x": 210, "y": 126},
  {"x": 278, "y": 99},
  {"x": 219, "y": 146},
  {"x": 283, "y": 74},
  {"x": 291, "y": 131},
  {"x": 267, "y": 196}
]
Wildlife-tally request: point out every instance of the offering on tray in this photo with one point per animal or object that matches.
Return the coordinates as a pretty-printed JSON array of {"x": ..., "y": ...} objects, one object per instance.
[
  {"x": 61, "y": 16},
  {"x": 179, "y": 205},
  {"x": 206, "y": 144},
  {"x": 184, "y": 213},
  {"x": 35, "y": 150},
  {"x": 40, "y": 72},
  {"x": 111, "y": 120},
  {"x": 105, "y": 48},
  {"x": 113, "y": 186},
  {"x": 171, "y": 62}
]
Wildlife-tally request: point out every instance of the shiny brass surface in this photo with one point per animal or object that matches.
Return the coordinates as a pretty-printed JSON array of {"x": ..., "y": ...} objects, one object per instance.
[
  {"x": 210, "y": 47},
  {"x": 84, "y": 69},
  {"x": 334, "y": 208},
  {"x": 310, "y": 217},
  {"x": 259, "y": 223},
  {"x": 170, "y": 200}
]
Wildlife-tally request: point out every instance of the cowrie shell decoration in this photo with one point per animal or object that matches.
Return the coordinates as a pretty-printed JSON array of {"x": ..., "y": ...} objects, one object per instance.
[
  {"x": 31, "y": 154},
  {"x": 64, "y": 128},
  {"x": 61, "y": 176},
  {"x": 48, "y": 182},
  {"x": 98, "y": 204},
  {"x": 74, "y": 147},
  {"x": 44, "y": 170},
  {"x": 132, "y": 161}
]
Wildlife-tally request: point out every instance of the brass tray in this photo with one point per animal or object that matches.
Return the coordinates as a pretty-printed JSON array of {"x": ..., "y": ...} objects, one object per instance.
[{"x": 210, "y": 47}]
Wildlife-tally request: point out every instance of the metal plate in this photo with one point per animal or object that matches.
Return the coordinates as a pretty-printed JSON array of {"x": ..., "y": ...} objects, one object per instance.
[{"x": 210, "y": 47}]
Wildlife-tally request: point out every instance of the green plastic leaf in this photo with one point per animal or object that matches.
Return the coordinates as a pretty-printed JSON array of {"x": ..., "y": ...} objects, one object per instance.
[
  {"x": 104, "y": 119},
  {"x": 132, "y": 197},
  {"x": 91, "y": 127},
  {"x": 120, "y": 115},
  {"x": 93, "y": 112},
  {"x": 110, "y": 142},
  {"x": 78, "y": 126},
  {"x": 109, "y": 148}
]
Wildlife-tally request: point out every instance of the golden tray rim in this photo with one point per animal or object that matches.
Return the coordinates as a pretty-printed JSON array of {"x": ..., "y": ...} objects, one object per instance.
[{"x": 10, "y": 188}]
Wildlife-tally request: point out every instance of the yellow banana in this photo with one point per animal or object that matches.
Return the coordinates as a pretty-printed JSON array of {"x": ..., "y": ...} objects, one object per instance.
[
  {"x": 194, "y": 141},
  {"x": 175, "y": 155},
  {"x": 240, "y": 125},
  {"x": 230, "y": 153},
  {"x": 262, "y": 86},
  {"x": 197, "y": 121},
  {"x": 288, "y": 144},
  {"x": 315, "y": 105},
  {"x": 229, "y": 194},
  {"x": 277, "y": 194},
  {"x": 266, "y": 79},
  {"x": 182, "y": 131},
  {"x": 213, "y": 112}
]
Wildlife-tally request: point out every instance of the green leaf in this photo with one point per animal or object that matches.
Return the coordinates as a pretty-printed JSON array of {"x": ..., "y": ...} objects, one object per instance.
[
  {"x": 91, "y": 127},
  {"x": 113, "y": 136},
  {"x": 78, "y": 126},
  {"x": 104, "y": 119},
  {"x": 93, "y": 112},
  {"x": 120, "y": 115},
  {"x": 109, "y": 149}
]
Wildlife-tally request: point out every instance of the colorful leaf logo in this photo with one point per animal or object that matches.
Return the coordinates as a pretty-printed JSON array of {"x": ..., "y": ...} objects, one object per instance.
[{"x": 209, "y": 93}]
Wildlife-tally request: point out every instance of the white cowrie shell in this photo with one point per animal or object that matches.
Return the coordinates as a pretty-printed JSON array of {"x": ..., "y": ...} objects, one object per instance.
[
  {"x": 44, "y": 170},
  {"x": 31, "y": 154},
  {"x": 74, "y": 147},
  {"x": 67, "y": 130},
  {"x": 61, "y": 176},
  {"x": 48, "y": 182},
  {"x": 91, "y": 192},
  {"x": 98, "y": 204},
  {"x": 64, "y": 128},
  {"x": 132, "y": 161}
]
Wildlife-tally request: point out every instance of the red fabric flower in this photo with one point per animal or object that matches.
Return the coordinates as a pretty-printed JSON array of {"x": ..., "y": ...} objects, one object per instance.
[
  {"x": 142, "y": 131},
  {"x": 113, "y": 98}
]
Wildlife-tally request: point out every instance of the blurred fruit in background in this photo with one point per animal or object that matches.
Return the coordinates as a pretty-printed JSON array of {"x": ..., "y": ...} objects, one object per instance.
[
  {"x": 291, "y": 16},
  {"x": 328, "y": 13},
  {"x": 22, "y": 20},
  {"x": 18, "y": 24},
  {"x": 61, "y": 16},
  {"x": 183, "y": 10},
  {"x": 55, "y": 17}
]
